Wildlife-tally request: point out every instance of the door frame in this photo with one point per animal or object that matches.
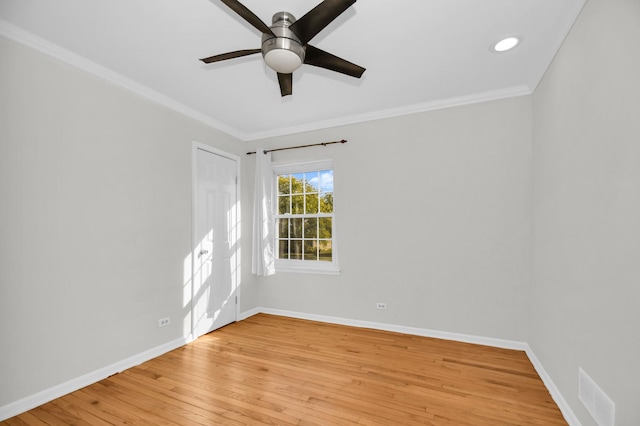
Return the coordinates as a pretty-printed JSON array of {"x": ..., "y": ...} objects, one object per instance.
[{"x": 192, "y": 255}]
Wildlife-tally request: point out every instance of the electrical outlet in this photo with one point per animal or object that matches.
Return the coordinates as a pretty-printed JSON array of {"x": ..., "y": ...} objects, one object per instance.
[
  {"x": 380, "y": 305},
  {"x": 164, "y": 321}
]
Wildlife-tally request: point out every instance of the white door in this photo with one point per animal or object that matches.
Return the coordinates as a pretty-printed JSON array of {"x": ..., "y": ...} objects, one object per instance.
[{"x": 216, "y": 223}]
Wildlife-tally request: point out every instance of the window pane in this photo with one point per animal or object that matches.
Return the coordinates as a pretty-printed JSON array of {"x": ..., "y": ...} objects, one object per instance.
[
  {"x": 326, "y": 181},
  {"x": 297, "y": 186},
  {"x": 284, "y": 202},
  {"x": 296, "y": 249},
  {"x": 283, "y": 249},
  {"x": 283, "y": 228},
  {"x": 311, "y": 228},
  {"x": 325, "y": 227},
  {"x": 325, "y": 250},
  {"x": 311, "y": 250},
  {"x": 326, "y": 202},
  {"x": 296, "y": 228},
  {"x": 283, "y": 184},
  {"x": 311, "y": 205},
  {"x": 309, "y": 236},
  {"x": 297, "y": 204},
  {"x": 311, "y": 182}
]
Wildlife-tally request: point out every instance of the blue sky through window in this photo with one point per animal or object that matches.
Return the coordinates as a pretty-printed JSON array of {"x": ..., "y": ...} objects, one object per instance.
[{"x": 323, "y": 181}]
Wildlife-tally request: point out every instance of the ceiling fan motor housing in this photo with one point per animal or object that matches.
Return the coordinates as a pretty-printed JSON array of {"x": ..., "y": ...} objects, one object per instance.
[{"x": 284, "y": 53}]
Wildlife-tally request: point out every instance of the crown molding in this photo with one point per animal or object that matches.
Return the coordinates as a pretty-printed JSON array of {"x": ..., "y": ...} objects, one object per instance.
[
  {"x": 26, "y": 38},
  {"x": 21, "y": 36},
  {"x": 495, "y": 95}
]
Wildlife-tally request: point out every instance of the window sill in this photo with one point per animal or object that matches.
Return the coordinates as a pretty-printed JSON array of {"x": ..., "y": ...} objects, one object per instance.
[{"x": 304, "y": 267}]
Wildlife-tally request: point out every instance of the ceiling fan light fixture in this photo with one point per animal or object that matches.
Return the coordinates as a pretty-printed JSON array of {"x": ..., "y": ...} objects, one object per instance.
[
  {"x": 285, "y": 43},
  {"x": 506, "y": 44},
  {"x": 283, "y": 61},
  {"x": 283, "y": 53}
]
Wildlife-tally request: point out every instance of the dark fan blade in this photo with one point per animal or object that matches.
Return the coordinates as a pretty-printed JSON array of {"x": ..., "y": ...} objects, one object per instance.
[
  {"x": 322, "y": 59},
  {"x": 286, "y": 84},
  {"x": 248, "y": 16},
  {"x": 319, "y": 17},
  {"x": 230, "y": 55}
]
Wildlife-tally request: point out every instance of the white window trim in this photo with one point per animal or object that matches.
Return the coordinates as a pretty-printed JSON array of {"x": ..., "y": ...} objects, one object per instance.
[{"x": 307, "y": 266}]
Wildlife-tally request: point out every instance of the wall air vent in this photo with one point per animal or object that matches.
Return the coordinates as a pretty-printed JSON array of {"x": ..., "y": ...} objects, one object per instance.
[{"x": 599, "y": 405}]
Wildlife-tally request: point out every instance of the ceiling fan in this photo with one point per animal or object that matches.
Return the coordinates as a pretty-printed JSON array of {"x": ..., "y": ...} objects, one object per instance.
[{"x": 285, "y": 44}]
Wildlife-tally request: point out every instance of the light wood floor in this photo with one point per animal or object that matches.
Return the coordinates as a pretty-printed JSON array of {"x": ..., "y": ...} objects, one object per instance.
[{"x": 281, "y": 371}]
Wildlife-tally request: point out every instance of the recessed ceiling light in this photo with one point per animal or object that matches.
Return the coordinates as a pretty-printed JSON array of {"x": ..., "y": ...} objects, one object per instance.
[{"x": 506, "y": 44}]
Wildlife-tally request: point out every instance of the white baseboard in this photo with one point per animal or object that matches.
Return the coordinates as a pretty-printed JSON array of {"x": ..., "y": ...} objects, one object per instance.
[
  {"x": 246, "y": 314},
  {"x": 42, "y": 397},
  {"x": 458, "y": 337},
  {"x": 562, "y": 404},
  {"x": 564, "y": 407},
  {"x": 25, "y": 404}
]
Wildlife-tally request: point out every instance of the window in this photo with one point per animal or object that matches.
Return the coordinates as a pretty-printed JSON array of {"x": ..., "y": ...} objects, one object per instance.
[{"x": 305, "y": 218}]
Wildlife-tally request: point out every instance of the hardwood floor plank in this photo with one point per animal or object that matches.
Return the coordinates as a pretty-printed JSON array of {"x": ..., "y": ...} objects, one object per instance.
[
  {"x": 124, "y": 405},
  {"x": 180, "y": 409},
  {"x": 269, "y": 370},
  {"x": 27, "y": 418},
  {"x": 80, "y": 401},
  {"x": 51, "y": 414},
  {"x": 18, "y": 421},
  {"x": 84, "y": 416},
  {"x": 209, "y": 411}
]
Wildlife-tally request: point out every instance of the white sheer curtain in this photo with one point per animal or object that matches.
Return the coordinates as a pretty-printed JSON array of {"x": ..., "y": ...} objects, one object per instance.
[{"x": 264, "y": 237}]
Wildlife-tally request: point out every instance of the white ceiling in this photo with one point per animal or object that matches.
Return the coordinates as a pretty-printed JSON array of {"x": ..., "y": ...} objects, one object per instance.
[{"x": 419, "y": 55}]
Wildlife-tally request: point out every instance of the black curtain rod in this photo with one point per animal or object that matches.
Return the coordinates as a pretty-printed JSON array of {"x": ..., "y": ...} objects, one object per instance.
[{"x": 300, "y": 146}]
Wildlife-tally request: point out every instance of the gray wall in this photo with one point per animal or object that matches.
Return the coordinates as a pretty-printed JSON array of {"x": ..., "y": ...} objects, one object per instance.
[
  {"x": 433, "y": 218},
  {"x": 95, "y": 221},
  {"x": 586, "y": 273}
]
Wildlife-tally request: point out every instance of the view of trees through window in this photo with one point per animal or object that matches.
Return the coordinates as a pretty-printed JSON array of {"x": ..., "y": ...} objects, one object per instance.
[{"x": 305, "y": 216}]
